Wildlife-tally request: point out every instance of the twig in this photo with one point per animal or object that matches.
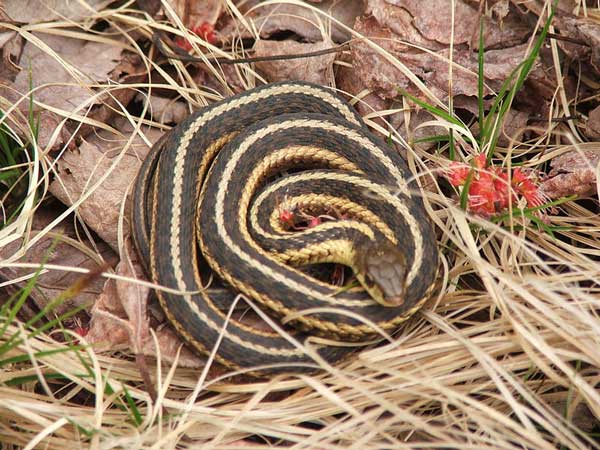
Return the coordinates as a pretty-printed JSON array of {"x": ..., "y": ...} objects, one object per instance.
[{"x": 171, "y": 51}]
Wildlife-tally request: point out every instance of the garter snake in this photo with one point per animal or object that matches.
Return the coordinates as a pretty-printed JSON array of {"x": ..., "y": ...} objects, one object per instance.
[{"x": 207, "y": 197}]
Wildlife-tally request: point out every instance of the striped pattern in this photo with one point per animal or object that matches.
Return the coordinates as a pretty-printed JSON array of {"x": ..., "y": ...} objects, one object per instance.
[{"x": 209, "y": 185}]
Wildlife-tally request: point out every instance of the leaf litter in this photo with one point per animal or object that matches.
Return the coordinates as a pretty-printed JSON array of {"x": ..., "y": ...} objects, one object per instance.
[{"x": 504, "y": 357}]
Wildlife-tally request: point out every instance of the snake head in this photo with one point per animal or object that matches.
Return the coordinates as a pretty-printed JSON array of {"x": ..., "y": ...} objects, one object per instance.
[{"x": 382, "y": 272}]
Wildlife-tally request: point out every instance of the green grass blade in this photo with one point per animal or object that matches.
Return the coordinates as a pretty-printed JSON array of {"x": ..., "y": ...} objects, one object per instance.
[
  {"x": 464, "y": 194},
  {"x": 438, "y": 112},
  {"x": 136, "y": 416},
  {"x": 506, "y": 96},
  {"x": 41, "y": 354}
]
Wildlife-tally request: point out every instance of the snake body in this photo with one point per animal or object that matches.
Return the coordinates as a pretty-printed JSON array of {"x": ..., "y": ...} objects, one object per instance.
[{"x": 206, "y": 201}]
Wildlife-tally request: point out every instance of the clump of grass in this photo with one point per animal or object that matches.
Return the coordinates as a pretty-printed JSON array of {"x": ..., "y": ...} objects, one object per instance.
[{"x": 15, "y": 159}]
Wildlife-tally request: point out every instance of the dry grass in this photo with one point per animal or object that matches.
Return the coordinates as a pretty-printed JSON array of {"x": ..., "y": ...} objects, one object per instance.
[{"x": 505, "y": 357}]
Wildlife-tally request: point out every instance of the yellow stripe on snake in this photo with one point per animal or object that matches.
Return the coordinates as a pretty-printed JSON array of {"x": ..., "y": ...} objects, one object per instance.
[{"x": 206, "y": 203}]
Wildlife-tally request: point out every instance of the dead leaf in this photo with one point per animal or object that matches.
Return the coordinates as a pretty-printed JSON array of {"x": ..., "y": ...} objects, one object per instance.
[
  {"x": 49, "y": 126},
  {"x": 369, "y": 103},
  {"x": 196, "y": 13},
  {"x": 94, "y": 60},
  {"x": 231, "y": 80},
  {"x": 418, "y": 36},
  {"x": 316, "y": 69},
  {"x": 591, "y": 35},
  {"x": 573, "y": 173},
  {"x": 67, "y": 252},
  {"x": 512, "y": 127},
  {"x": 66, "y": 90},
  {"x": 348, "y": 81},
  {"x": 397, "y": 21},
  {"x": 166, "y": 110},
  {"x": 309, "y": 25},
  {"x": 581, "y": 38},
  {"x": 34, "y": 11},
  {"x": 577, "y": 413},
  {"x": 592, "y": 127},
  {"x": 79, "y": 170},
  {"x": 12, "y": 46},
  {"x": 429, "y": 24},
  {"x": 152, "y": 7},
  {"x": 499, "y": 8},
  {"x": 120, "y": 319},
  {"x": 386, "y": 80}
]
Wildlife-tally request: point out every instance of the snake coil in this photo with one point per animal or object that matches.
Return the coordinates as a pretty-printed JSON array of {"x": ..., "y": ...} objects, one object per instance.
[{"x": 206, "y": 202}]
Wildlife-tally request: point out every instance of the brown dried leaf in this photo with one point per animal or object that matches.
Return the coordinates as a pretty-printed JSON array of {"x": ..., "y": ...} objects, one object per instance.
[
  {"x": 166, "y": 110},
  {"x": 584, "y": 30},
  {"x": 591, "y": 34},
  {"x": 57, "y": 86},
  {"x": 579, "y": 414},
  {"x": 195, "y": 12},
  {"x": 310, "y": 26},
  {"x": 429, "y": 24},
  {"x": 316, "y": 69},
  {"x": 120, "y": 319},
  {"x": 80, "y": 170},
  {"x": 34, "y": 11},
  {"x": 592, "y": 127},
  {"x": 152, "y": 7},
  {"x": 49, "y": 126},
  {"x": 499, "y": 8},
  {"x": 385, "y": 79},
  {"x": 12, "y": 46},
  {"x": 94, "y": 60},
  {"x": 51, "y": 284},
  {"x": 512, "y": 127},
  {"x": 398, "y": 21},
  {"x": 573, "y": 173},
  {"x": 348, "y": 80},
  {"x": 231, "y": 80}
]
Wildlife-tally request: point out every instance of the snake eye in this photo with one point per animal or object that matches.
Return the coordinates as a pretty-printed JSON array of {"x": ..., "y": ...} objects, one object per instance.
[{"x": 368, "y": 281}]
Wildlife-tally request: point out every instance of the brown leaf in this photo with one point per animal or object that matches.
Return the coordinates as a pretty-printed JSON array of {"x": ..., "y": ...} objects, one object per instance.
[
  {"x": 348, "y": 80},
  {"x": 272, "y": 19},
  {"x": 577, "y": 413},
  {"x": 316, "y": 69},
  {"x": 583, "y": 38},
  {"x": 573, "y": 173},
  {"x": 512, "y": 127},
  {"x": 166, "y": 110},
  {"x": 591, "y": 34},
  {"x": 499, "y": 8},
  {"x": 80, "y": 170},
  {"x": 592, "y": 127},
  {"x": 49, "y": 126},
  {"x": 12, "y": 45},
  {"x": 95, "y": 60},
  {"x": 395, "y": 21},
  {"x": 57, "y": 86},
  {"x": 429, "y": 23},
  {"x": 231, "y": 80},
  {"x": 385, "y": 79},
  {"x": 195, "y": 12},
  {"x": 152, "y": 7},
  {"x": 67, "y": 252},
  {"x": 120, "y": 319},
  {"x": 34, "y": 11}
]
